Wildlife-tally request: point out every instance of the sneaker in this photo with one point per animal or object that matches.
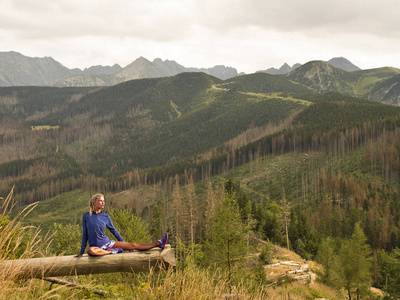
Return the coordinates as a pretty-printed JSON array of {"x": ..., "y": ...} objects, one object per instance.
[
  {"x": 115, "y": 250},
  {"x": 163, "y": 241}
]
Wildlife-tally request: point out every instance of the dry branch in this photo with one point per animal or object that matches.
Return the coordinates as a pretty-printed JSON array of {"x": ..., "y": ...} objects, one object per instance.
[{"x": 79, "y": 286}]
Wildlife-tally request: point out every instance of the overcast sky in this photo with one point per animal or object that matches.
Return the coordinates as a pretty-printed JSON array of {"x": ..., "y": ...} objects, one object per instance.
[{"x": 248, "y": 35}]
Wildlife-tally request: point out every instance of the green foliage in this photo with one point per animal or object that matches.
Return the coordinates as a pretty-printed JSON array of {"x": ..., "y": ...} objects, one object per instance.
[
  {"x": 324, "y": 115},
  {"x": 265, "y": 83},
  {"x": 67, "y": 239},
  {"x": 381, "y": 73},
  {"x": 348, "y": 266},
  {"x": 191, "y": 254},
  {"x": 16, "y": 240},
  {"x": 195, "y": 131},
  {"x": 9, "y": 240},
  {"x": 156, "y": 222},
  {"x": 67, "y": 208},
  {"x": 303, "y": 238},
  {"x": 32, "y": 100},
  {"x": 267, "y": 253},
  {"x": 327, "y": 257},
  {"x": 355, "y": 263},
  {"x": 269, "y": 221},
  {"x": 225, "y": 235},
  {"x": 130, "y": 226},
  {"x": 389, "y": 279}
]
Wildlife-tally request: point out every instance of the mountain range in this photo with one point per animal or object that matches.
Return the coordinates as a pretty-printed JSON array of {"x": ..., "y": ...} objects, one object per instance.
[
  {"x": 19, "y": 70},
  {"x": 337, "y": 74}
]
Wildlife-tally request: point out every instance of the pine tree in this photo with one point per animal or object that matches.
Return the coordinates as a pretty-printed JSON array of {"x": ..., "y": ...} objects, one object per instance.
[
  {"x": 390, "y": 270},
  {"x": 156, "y": 224},
  {"x": 130, "y": 226},
  {"x": 355, "y": 264},
  {"x": 327, "y": 257},
  {"x": 226, "y": 233}
]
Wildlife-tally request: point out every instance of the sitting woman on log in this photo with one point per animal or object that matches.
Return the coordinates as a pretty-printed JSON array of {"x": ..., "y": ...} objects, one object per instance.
[{"x": 95, "y": 222}]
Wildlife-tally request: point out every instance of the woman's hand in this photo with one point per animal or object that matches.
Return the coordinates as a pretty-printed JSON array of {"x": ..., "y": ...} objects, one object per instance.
[{"x": 79, "y": 255}]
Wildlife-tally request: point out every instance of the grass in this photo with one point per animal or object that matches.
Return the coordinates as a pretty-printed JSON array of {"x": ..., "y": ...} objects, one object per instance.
[
  {"x": 266, "y": 96},
  {"x": 365, "y": 84},
  {"x": 66, "y": 208},
  {"x": 194, "y": 282},
  {"x": 18, "y": 241},
  {"x": 298, "y": 291}
]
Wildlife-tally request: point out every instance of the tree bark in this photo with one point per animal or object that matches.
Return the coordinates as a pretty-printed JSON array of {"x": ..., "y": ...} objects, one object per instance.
[{"x": 136, "y": 261}]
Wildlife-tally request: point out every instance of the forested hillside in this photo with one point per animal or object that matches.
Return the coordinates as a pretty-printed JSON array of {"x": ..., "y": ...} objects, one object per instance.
[
  {"x": 62, "y": 134},
  {"x": 57, "y": 139}
]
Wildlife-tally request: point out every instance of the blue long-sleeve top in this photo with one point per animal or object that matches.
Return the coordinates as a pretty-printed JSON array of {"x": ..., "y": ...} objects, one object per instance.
[{"x": 93, "y": 230}]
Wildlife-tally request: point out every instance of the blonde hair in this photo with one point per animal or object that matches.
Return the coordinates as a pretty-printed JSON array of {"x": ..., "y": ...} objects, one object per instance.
[{"x": 94, "y": 198}]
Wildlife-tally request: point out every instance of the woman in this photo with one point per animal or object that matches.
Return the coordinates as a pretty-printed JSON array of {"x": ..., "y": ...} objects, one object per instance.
[{"x": 95, "y": 222}]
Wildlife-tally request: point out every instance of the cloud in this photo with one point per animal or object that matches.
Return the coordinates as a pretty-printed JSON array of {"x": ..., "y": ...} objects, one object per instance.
[
  {"x": 154, "y": 20},
  {"x": 172, "y": 20},
  {"x": 307, "y": 16},
  {"x": 247, "y": 34}
]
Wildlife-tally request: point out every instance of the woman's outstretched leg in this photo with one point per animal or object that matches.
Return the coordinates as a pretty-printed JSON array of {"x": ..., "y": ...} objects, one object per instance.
[{"x": 133, "y": 246}]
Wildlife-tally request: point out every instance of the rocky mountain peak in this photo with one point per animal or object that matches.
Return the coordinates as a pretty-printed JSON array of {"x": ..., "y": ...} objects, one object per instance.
[
  {"x": 344, "y": 64},
  {"x": 284, "y": 69}
]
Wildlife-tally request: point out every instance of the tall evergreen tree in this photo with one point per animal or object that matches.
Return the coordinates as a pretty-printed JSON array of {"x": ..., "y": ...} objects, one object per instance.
[
  {"x": 226, "y": 233},
  {"x": 327, "y": 257},
  {"x": 355, "y": 264},
  {"x": 156, "y": 224},
  {"x": 390, "y": 269}
]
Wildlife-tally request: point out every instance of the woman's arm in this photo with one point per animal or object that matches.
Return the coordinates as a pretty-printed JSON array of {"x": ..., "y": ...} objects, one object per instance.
[
  {"x": 114, "y": 231},
  {"x": 84, "y": 235}
]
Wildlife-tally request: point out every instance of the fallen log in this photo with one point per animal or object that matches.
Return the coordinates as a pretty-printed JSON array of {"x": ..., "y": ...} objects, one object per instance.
[
  {"x": 284, "y": 263},
  {"x": 302, "y": 277},
  {"x": 297, "y": 271},
  {"x": 135, "y": 261},
  {"x": 291, "y": 263}
]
